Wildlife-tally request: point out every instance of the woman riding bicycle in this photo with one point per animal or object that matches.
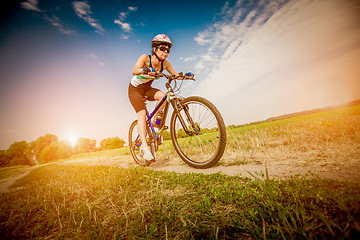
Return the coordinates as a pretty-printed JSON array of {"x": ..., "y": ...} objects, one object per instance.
[{"x": 140, "y": 85}]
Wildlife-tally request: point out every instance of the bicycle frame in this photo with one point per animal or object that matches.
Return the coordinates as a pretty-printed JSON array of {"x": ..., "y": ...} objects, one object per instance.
[
  {"x": 149, "y": 116},
  {"x": 169, "y": 98}
]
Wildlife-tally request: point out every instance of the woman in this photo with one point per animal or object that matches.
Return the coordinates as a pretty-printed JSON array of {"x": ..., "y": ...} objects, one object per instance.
[{"x": 140, "y": 85}]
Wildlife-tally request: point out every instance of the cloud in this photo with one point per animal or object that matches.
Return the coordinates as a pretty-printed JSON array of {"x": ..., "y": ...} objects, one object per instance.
[
  {"x": 133, "y": 9},
  {"x": 122, "y": 16},
  {"x": 55, "y": 21},
  {"x": 125, "y": 26},
  {"x": 121, "y": 21},
  {"x": 237, "y": 22},
  {"x": 94, "y": 57},
  {"x": 125, "y": 36},
  {"x": 188, "y": 59},
  {"x": 83, "y": 11},
  {"x": 31, "y": 5},
  {"x": 206, "y": 60},
  {"x": 201, "y": 38},
  {"x": 279, "y": 57}
]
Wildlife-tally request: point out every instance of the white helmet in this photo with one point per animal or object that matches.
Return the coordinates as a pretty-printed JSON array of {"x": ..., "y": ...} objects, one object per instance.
[{"x": 161, "y": 39}]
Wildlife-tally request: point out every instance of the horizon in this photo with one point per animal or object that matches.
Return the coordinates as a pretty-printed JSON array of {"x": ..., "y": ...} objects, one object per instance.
[{"x": 65, "y": 66}]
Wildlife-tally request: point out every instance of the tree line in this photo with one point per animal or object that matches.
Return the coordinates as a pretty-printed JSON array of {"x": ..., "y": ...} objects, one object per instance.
[{"x": 49, "y": 148}]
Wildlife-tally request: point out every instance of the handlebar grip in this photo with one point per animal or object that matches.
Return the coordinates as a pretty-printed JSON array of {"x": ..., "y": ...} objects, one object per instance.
[
  {"x": 147, "y": 70},
  {"x": 189, "y": 74}
]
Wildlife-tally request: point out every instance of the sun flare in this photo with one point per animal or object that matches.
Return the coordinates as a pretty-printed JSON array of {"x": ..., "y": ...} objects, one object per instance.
[{"x": 72, "y": 139}]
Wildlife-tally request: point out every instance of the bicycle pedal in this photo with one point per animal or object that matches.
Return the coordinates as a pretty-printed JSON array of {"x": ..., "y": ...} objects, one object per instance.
[
  {"x": 148, "y": 162},
  {"x": 163, "y": 128}
]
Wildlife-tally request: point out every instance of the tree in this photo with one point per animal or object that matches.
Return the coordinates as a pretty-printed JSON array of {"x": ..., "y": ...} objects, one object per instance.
[
  {"x": 36, "y": 147},
  {"x": 16, "y": 154},
  {"x": 111, "y": 143},
  {"x": 85, "y": 145},
  {"x": 116, "y": 142},
  {"x": 166, "y": 135},
  {"x": 181, "y": 133},
  {"x": 56, "y": 151},
  {"x": 4, "y": 159}
]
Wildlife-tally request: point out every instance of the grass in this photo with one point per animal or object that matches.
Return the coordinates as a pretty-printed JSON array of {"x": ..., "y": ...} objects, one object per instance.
[
  {"x": 327, "y": 131},
  {"x": 336, "y": 129},
  {"x": 7, "y": 172},
  {"x": 104, "y": 202},
  {"x": 106, "y": 154},
  {"x": 65, "y": 201},
  {"x": 341, "y": 125}
]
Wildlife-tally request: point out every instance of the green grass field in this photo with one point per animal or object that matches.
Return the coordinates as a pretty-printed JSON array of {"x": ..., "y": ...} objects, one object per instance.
[
  {"x": 103, "y": 202},
  {"x": 110, "y": 202}
]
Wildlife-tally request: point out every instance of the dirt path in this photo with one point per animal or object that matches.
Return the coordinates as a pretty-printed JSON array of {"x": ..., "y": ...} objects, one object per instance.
[
  {"x": 279, "y": 164},
  {"x": 4, "y": 186},
  {"x": 331, "y": 162},
  {"x": 278, "y": 169},
  {"x": 274, "y": 171}
]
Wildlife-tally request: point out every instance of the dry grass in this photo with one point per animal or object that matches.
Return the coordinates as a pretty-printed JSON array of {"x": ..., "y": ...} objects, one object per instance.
[{"x": 329, "y": 132}]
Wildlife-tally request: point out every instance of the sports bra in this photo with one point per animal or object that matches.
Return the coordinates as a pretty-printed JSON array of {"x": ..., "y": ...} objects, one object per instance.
[{"x": 143, "y": 80}]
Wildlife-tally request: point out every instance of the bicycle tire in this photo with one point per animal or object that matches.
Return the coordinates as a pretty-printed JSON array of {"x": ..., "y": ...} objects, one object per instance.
[
  {"x": 205, "y": 148},
  {"x": 135, "y": 143}
]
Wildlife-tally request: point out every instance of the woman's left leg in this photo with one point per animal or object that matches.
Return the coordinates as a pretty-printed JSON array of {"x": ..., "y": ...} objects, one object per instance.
[
  {"x": 159, "y": 95},
  {"x": 155, "y": 94}
]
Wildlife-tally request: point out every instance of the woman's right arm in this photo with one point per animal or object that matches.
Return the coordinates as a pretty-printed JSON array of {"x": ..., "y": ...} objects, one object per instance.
[{"x": 139, "y": 65}]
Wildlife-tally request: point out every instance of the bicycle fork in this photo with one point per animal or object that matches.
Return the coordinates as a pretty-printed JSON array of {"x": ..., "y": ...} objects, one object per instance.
[{"x": 178, "y": 108}]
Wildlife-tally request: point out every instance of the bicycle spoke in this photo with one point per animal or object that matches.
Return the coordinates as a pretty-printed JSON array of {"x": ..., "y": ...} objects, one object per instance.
[
  {"x": 199, "y": 149},
  {"x": 135, "y": 143}
]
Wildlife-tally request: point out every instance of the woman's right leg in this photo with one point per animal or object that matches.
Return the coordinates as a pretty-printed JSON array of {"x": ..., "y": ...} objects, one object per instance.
[
  {"x": 144, "y": 148},
  {"x": 136, "y": 99},
  {"x": 142, "y": 125}
]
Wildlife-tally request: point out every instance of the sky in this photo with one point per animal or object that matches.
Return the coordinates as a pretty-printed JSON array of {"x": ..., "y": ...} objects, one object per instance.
[{"x": 65, "y": 66}]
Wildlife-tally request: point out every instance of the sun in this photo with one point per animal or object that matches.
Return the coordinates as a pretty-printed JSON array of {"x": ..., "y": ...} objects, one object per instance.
[{"x": 72, "y": 139}]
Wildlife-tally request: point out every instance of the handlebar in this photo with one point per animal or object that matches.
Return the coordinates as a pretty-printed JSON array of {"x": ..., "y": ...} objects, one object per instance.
[
  {"x": 180, "y": 76},
  {"x": 171, "y": 78}
]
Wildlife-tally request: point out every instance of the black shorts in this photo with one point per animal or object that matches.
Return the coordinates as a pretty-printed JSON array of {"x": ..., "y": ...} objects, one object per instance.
[{"x": 137, "y": 95}]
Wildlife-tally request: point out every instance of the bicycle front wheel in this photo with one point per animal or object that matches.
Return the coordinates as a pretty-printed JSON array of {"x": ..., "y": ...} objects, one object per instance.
[
  {"x": 135, "y": 143},
  {"x": 201, "y": 142}
]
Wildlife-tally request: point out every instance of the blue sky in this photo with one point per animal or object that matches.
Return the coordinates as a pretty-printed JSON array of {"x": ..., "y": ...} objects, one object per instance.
[{"x": 65, "y": 65}]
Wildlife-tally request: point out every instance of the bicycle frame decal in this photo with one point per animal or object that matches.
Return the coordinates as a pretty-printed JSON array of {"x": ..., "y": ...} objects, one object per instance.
[{"x": 149, "y": 116}]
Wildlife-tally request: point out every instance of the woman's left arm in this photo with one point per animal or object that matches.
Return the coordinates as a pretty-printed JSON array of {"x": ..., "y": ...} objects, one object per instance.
[{"x": 169, "y": 68}]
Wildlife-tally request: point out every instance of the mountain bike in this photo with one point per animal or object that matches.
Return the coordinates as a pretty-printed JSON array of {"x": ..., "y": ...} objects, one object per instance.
[{"x": 197, "y": 129}]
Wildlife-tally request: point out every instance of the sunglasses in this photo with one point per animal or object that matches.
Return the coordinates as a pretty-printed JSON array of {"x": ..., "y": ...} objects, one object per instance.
[{"x": 164, "y": 49}]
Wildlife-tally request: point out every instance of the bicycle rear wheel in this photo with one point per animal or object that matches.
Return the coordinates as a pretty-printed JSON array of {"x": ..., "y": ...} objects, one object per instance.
[
  {"x": 135, "y": 143},
  {"x": 204, "y": 143}
]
